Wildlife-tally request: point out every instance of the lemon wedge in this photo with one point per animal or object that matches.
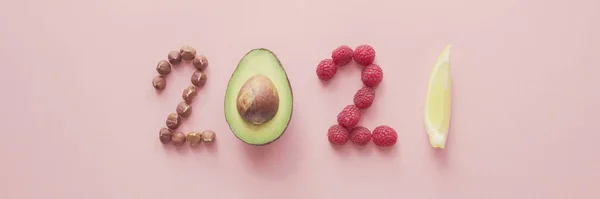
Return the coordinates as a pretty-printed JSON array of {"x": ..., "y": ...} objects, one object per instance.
[{"x": 438, "y": 101}]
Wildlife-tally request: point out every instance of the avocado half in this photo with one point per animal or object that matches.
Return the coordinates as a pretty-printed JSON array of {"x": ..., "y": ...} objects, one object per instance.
[{"x": 259, "y": 99}]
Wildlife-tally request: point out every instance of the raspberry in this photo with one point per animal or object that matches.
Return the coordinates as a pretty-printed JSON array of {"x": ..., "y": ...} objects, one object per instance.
[
  {"x": 337, "y": 135},
  {"x": 384, "y": 136},
  {"x": 326, "y": 69},
  {"x": 372, "y": 75},
  {"x": 342, "y": 55},
  {"x": 349, "y": 116},
  {"x": 360, "y": 135},
  {"x": 364, "y": 55},
  {"x": 364, "y": 97}
]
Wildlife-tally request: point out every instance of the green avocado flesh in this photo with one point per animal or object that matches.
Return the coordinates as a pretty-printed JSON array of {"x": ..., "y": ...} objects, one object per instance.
[{"x": 259, "y": 62}]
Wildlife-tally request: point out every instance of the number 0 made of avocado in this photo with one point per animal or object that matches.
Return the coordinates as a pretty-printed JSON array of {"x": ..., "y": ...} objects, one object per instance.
[{"x": 259, "y": 99}]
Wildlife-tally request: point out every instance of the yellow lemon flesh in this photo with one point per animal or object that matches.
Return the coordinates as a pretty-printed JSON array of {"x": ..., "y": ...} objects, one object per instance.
[{"x": 438, "y": 101}]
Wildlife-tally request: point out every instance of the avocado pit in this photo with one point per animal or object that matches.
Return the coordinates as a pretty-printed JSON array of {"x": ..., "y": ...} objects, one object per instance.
[{"x": 258, "y": 100}]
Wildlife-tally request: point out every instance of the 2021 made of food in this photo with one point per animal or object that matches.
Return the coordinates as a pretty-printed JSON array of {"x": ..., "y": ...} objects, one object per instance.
[{"x": 259, "y": 100}]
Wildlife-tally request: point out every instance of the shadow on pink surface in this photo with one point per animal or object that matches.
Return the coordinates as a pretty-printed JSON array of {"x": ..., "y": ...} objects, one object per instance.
[{"x": 279, "y": 159}]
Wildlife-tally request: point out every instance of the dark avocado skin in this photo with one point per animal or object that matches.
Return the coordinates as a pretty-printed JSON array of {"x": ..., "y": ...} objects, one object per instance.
[{"x": 291, "y": 91}]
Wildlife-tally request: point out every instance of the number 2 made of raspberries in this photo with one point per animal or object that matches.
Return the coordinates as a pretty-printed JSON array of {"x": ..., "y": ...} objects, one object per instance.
[{"x": 347, "y": 127}]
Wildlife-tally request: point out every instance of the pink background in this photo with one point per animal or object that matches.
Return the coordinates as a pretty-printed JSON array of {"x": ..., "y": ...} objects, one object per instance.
[{"x": 80, "y": 118}]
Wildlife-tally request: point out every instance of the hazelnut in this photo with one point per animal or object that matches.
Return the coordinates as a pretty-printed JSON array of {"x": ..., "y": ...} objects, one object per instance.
[
  {"x": 173, "y": 121},
  {"x": 208, "y": 136},
  {"x": 200, "y": 62},
  {"x": 174, "y": 57},
  {"x": 187, "y": 53},
  {"x": 159, "y": 82},
  {"x": 184, "y": 109},
  {"x": 163, "y": 67},
  {"x": 165, "y": 135},
  {"x": 178, "y": 139},
  {"x": 189, "y": 94},
  {"x": 199, "y": 78},
  {"x": 194, "y": 138}
]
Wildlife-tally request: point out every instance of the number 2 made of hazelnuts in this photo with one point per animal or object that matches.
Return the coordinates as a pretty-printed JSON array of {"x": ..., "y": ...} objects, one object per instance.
[{"x": 169, "y": 134}]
